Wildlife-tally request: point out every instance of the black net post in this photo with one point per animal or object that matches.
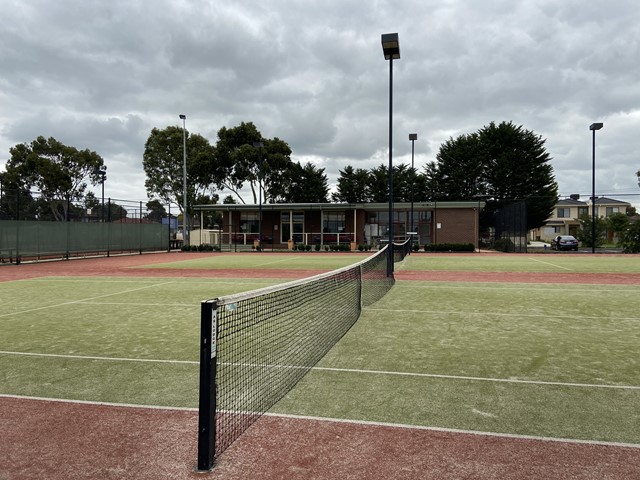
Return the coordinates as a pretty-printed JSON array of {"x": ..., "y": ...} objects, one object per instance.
[{"x": 207, "y": 401}]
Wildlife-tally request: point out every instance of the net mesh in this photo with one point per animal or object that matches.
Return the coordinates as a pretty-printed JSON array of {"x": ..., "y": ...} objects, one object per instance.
[
  {"x": 267, "y": 340},
  {"x": 401, "y": 250}
]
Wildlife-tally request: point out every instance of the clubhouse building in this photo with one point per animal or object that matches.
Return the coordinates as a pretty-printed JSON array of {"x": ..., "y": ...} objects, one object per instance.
[{"x": 280, "y": 226}]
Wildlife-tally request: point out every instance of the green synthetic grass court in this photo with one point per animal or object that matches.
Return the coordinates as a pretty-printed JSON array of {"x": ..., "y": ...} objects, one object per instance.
[
  {"x": 565, "y": 262},
  {"x": 551, "y": 360},
  {"x": 266, "y": 261}
]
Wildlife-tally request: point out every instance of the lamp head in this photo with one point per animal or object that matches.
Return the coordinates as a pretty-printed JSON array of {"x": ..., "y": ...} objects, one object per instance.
[
  {"x": 390, "y": 46},
  {"x": 596, "y": 126},
  {"x": 182, "y": 117},
  {"x": 413, "y": 136}
]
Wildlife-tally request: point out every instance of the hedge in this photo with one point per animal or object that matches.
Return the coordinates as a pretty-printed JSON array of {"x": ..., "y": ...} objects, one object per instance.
[{"x": 450, "y": 247}]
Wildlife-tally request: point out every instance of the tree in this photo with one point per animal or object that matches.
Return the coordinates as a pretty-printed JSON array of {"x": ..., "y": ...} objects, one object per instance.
[
  {"x": 585, "y": 233},
  {"x": 631, "y": 238},
  {"x": 352, "y": 186},
  {"x": 59, "y": 172},
  {"x": 501, "y": 163},
  {"x": 156, "y": 211},
  {"x": 459, "y": 172},
  {"x": 378, "y": 186},
  {"x": 403, "y": 177},
  {"x": 163, "y": 164},
  {"x": 306, "y": 184},
  {"x": 240, "y": 162},
  {"x": 618, "y": 223}
]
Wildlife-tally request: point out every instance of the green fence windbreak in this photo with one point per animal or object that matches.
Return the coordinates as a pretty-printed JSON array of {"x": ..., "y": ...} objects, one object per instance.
[{"x": 32, "y": 239}]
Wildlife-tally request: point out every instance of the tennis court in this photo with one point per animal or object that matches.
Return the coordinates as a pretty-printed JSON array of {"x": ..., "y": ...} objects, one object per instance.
[{"x": 472, "y": 366}]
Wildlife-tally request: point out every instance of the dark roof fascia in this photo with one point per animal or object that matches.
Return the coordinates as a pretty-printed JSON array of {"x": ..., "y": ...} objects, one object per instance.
[{"x": 338, "y": 206}]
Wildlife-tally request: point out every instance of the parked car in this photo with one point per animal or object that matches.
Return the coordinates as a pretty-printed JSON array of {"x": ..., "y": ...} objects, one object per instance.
[{"x": 564, "y": 242}]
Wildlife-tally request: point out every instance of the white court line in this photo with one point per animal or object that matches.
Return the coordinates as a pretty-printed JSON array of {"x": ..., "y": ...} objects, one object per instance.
[
  {"x": 480, "y": 379},
  {"x": 551, "y": 264},
  {"x": 496, "y": 314},
  {"x": 333, "y": 369},
  {"x": 455, "y": 430},
  {"x": 189, "y": 281},
  {"x": 277, "y": 261},
  {"x": 88, "y": 357},
  {"x": 567, "y": 288},
  {"x": 178, "y": 305},
  {"x": 91, "y": 402},
  {"x": 528, "y": 287},
  {"x": 339, "y": 420},
  {"x": 83, "y": 300},
  {"x": 439, "y": 376}
]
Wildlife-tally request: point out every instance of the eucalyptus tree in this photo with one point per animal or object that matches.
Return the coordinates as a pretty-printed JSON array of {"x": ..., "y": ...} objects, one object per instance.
[
  {"x": 60, "y": 173},
  {"x": 244, "y": 158},
  {"x": 163, "y": 161}
]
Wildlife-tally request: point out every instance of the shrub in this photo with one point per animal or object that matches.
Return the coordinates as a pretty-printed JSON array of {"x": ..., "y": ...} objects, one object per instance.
[
  {"x": 317, "y": 247},
  {"x": 449, "y": 247},
  {"x": 307, "y": 248},
  {"x": 504, "y": 245},
  {"x": 361, "y": 248},
  {"x": 631, "y": 239}
]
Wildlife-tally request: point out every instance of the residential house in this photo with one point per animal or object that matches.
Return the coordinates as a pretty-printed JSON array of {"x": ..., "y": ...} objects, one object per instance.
[{"x": 564, "y": 219}]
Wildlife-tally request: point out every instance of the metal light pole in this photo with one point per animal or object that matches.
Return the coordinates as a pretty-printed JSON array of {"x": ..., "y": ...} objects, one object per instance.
[
  {"x": 391, "y": 50},
  {"x": 593, "y": 127},
  {"x": 185, "y": 223},
  {"x": 259, "y": 145},
  {"x": 103, "y": 177},
  {"x": 413, "y": 137}
]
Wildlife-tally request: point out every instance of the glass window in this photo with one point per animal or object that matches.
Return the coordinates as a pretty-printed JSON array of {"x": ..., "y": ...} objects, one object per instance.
[
  {"x": 286, "y": 221},
  {"x": 612, "y": 210},
  {"x": 564, "y": 212},
  {"x": 333, "y": 222},
  {"x": 583, "y": 211},
  {"x": 249, "y": 222}
]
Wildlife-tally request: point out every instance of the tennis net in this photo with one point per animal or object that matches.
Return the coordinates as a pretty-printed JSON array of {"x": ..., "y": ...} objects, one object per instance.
[{"x": 255, "y": 346}]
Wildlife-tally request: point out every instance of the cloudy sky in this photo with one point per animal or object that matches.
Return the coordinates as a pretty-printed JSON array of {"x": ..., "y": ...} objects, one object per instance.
[{"x": 101, "y": 74}]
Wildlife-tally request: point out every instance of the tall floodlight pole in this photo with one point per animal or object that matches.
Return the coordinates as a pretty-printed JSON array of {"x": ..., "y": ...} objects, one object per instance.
[
  {"x": 391, "y": 50},
  {"x": 185, "y": 223},
  {"x": 1, "y": 178},
  {"x": 103, "y": 177},
  {"x": 593, "y": 127},
  {"x": 413, "y": 137},
  {"x": 259, "y": 146}
]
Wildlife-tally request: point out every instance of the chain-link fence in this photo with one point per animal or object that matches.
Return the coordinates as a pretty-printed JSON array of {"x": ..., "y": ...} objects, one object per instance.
[{"x": 34, "y": 226}]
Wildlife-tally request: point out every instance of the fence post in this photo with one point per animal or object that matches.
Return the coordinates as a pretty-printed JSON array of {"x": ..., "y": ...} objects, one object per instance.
[
  {"x": 18, "y": 227},
  {"x": 140, "y": 232},
  {"x": 68, "y": 225},
  {"x": 109, "y": 227}
]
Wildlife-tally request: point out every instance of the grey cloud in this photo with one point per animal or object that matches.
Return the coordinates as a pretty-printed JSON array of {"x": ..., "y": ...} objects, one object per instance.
[{"x": 100, "y": 75}]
